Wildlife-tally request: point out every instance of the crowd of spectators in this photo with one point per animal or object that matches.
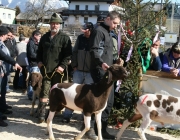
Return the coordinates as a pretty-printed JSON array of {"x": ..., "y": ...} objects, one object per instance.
[{"x": 50, "y": 54}]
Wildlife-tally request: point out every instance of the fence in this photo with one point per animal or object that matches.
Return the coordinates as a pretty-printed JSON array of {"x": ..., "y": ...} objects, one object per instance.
[
  {"x": 13, "y": 26},
  {"x": 72, "y": 34},
  {"x": 161, "y": 83}
]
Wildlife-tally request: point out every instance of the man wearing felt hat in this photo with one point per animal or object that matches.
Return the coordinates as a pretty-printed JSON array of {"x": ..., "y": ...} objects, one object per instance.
[{"x": 53, "y": 55}]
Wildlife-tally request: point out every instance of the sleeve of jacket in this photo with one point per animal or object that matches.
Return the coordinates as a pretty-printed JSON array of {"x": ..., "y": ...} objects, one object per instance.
[
  {"x": 67, "y": 52},
  {"x": 165, "y": 65},
  {"x": 13, "y": 48},
  {"x": 39, "y": 55},
  {"x": 157, "y": 65},
  {"x": 6, "y": 58},
  {"x": 74, "y": 62},
  {"x": 1, "y": 70},
  {"x": 16, "y": 49},
  {"x": 30, "y": 51},
  {"x": 96, "y": 50}
]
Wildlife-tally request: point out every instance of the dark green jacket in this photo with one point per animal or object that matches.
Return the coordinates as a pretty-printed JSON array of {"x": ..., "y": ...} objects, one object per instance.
[{"x": 54, "y": 52}]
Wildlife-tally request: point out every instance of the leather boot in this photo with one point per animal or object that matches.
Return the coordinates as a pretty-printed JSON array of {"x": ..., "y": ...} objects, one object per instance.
[
  {"x": 105, "y": 134},
  {"x": 2, "y": 123},
  {"x": 42, "y": 112}
]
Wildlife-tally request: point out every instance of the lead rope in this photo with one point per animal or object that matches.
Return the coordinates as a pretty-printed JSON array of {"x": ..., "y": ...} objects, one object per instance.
[
  {"x": 52, "y": 74},
  {"x": 67, "y": 73}
]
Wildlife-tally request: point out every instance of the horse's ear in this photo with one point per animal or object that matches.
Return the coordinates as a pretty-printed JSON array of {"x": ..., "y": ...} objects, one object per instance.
[{"x": 109, "y": 76}]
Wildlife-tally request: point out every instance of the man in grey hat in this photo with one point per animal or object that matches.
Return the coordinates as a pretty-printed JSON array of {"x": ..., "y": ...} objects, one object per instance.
[
  {"x": 81, "y": 60},
  {"x": 53, "y": 55}
]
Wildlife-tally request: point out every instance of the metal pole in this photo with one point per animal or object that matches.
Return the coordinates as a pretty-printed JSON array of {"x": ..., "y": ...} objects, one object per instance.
[
  {"x": 172, "y": 17},
  {"x": 161, "y": 12}
]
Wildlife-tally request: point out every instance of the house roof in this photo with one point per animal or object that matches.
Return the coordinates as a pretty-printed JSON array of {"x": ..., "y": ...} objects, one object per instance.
[
  {"x": 108, "y": 1},
  {"x": 31, "y": 16},
  {"x": 4, "y": 7},
  {"x": 25, "y": 16},
  {"x": 22, "y": 16}
]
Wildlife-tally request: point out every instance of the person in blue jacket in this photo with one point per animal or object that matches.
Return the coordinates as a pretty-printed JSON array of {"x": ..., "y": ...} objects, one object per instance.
[{"x": 171, "y": 60}]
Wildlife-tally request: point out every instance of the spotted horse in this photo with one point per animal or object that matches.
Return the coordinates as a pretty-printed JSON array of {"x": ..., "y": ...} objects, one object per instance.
[{"x": 154, "y": 107}]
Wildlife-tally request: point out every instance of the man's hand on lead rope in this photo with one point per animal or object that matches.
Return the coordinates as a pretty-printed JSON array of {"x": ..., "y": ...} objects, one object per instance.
[
  {"x": 60, "y": 69},
  {"x": 105, "y": 66}
]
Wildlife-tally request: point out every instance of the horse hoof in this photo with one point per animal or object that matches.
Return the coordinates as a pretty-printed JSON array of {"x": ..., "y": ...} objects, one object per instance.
[
  {"x": 41, "y": 120},
  {"x": 47, "y": 133},
  {"x": 75, "y": 138}
]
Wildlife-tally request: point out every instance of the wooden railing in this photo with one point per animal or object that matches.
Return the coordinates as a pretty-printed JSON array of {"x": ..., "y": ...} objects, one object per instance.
[{"x": 161, "y": 74}]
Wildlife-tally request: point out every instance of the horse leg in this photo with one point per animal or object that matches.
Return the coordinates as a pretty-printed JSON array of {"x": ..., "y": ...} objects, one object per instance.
[{"x": 87, "y": 120}]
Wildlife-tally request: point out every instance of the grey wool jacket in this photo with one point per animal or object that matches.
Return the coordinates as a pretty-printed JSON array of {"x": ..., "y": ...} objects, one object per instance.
[
  {"x": 21, "y": 47},
  {"x": 81, "y": 57}
]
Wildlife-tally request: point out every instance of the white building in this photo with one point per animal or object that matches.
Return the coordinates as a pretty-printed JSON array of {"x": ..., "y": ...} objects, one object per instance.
[
  {"x": 7, "y": 15},
  {"x": 82, "y": 11}
]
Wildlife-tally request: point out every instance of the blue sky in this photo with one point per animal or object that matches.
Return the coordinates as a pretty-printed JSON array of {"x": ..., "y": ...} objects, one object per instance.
[{"x": 173, "y": 1}]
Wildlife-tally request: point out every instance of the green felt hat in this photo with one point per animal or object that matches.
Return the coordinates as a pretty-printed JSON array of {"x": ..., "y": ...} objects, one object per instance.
[{"x": 56, "y": 18}]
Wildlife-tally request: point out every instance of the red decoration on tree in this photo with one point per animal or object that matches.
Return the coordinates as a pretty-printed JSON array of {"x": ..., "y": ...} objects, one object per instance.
[
  {"x": 127, "y": 23},
  {"x": 130, "y": 33},
  {"x": 122, "y": 46},
  {"x": 122, "y": 43},
  {"x": 118, "y": 125}
]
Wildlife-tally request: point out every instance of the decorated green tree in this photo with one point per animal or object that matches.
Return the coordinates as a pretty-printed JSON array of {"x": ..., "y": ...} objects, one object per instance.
[{"x": 137, "y": 31}]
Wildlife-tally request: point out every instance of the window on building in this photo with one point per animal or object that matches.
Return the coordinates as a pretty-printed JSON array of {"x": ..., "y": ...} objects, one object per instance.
[
  {"x": 77, "y": 7},
  {"x": 85, "y": 19},
  {"x": 86, "y": 7},
  {"x": 9, "y": 16},
  {"x": 96, "y": 7},
  {"x": 4, "y": 15}
]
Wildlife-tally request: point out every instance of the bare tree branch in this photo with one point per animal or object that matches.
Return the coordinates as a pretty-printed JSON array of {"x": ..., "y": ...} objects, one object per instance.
[{"x": 37, "y": 10}]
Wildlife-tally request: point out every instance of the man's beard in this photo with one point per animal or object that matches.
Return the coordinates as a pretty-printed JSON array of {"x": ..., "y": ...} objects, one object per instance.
[{"x": 54, "y": 30}]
